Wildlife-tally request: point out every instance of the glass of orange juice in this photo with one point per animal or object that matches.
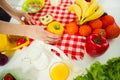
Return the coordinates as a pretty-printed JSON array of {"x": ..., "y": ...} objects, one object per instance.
[{"x": 59, "y": 71}]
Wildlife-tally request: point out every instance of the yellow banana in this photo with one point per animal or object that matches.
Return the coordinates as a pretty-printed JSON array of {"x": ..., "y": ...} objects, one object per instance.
[
  {"x": 76, "y": 9},
  {"x": 92, "y": 7},
  {"x": 98, "y": 13},
  {"x": 83, "y": 5}
]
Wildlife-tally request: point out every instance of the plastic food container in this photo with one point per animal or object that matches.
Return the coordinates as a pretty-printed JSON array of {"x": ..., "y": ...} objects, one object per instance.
[
  {"x": 33, "y": 6},
  {"x": 6, "y": 45}
]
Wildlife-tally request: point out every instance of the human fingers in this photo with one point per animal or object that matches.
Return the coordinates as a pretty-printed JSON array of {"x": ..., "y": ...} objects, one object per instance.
[
  {"x": 51, "y": 41},
  {"x": 53, "y": 38},
  {"x": 46, "y": 36},
  {"x": 29, "y": 19},
  {"x": 52, "y": 35}
]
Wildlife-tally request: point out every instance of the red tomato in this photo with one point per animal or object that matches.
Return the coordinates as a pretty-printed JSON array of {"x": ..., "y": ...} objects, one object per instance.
[
  {"x": 20, "y": 41},
  {"x": 8, "y": 77},
  {"x": 30, "y": 39}
]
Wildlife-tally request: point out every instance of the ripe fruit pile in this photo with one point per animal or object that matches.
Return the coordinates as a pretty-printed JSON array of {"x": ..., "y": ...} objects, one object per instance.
[
  {"x": 97, "y": 32},
  {"x": 88, "y": 13},
  {"x": 110, "y": 26},
  {"x": 105, "y": 24}
]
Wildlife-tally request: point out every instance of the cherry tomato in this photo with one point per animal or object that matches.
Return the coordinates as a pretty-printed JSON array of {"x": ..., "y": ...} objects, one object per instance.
[
  {"x": 8, "y": 77},
  {"x": 30, "y": 41},
  {"x": 20, "y": 41}
]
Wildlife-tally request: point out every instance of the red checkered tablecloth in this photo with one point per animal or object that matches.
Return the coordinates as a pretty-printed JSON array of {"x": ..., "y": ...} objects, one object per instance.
[{"x": 71, "y": 45}]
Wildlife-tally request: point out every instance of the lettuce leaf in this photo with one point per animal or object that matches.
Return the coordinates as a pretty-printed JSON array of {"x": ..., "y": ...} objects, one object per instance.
[{"x": 98, "y": 71}]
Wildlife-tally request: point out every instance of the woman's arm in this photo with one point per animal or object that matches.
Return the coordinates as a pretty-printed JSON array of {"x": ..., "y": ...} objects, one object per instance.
[
  {"x": 16, "y": 13},
  {"x": 34, "y": 32},
  {"x": 12, "y": 29}
]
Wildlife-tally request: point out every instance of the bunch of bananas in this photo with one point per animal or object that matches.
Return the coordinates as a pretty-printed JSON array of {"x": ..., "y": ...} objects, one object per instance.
[{"x": 86, "y": 11}]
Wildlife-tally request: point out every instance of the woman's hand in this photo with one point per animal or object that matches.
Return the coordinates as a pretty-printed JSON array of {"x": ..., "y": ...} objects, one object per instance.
[
  {"x": 19, "y": 15},
  {"x": 40, "y": 33}
]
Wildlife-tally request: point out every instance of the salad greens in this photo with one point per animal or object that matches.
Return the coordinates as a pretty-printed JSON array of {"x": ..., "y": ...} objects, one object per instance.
[{"x": 98, "y": 71}]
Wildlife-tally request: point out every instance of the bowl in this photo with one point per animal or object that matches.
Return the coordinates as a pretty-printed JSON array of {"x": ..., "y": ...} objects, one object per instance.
[{"x": 33, "y": 6}]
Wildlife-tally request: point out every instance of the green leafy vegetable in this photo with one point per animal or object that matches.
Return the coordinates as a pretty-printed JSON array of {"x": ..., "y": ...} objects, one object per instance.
[{"x": 98, "y": 71}]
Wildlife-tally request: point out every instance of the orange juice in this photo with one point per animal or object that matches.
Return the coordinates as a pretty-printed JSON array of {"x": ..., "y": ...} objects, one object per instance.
[{"x": 59, "y": 71}]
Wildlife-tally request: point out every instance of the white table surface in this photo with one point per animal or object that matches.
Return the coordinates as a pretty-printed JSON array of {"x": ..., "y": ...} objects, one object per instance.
[{"x": 111, "y": 7}]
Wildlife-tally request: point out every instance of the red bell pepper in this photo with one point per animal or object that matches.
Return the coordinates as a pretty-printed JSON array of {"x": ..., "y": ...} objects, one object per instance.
[{"x": 96, "y": 45}]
